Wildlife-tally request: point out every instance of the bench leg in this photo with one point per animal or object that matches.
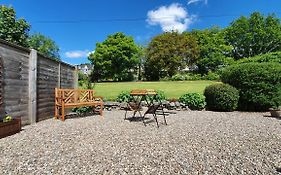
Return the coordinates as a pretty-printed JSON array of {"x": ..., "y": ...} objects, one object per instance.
[
  {"x": 62, "y": 113},
  {"x": 56, "y": 112},
  {"x": 101, "y": 110}
]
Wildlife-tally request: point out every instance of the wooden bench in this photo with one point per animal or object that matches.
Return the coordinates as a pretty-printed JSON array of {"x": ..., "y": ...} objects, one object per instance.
[{"x": 70, "y": 98}]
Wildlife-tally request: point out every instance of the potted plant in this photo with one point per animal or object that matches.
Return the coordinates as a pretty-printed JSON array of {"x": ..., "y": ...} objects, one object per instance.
[{"x": 9, "y": 126}]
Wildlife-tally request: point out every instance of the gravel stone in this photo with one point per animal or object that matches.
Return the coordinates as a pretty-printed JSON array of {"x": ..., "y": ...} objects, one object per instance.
[{"x": 193, "y": 142}]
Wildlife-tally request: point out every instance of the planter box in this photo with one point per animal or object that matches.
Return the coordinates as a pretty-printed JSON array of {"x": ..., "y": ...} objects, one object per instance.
[
  {"x": 10, "y": 128},
  {"x": 275, "y": 112}
]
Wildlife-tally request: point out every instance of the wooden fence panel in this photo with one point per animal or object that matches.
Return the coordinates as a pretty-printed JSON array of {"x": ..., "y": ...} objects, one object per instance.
[
  {"x": 17, "y": 83},
  {"x": 47, "y": 77},
  {"x": 67, "y": 77}
]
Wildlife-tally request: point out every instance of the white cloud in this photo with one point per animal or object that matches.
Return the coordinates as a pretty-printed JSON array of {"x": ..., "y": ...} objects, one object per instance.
[
  {"x": 77, "y": 54},
  {"x": 173, "y": 17},
  {"x": 196, "y": 1}
]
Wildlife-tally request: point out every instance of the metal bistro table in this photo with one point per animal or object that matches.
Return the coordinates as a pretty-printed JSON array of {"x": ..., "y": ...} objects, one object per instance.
[{"x": 149, "y": 97}]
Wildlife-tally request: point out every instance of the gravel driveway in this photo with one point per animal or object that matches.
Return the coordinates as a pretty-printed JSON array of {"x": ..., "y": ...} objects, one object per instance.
[{"x": 192, "y": 143}]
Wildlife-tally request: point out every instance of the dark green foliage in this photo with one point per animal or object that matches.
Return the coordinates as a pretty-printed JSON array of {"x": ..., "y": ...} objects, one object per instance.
[
  {"x": 12, "y": 29},
  {"x": 211, "y": 76},
  {"x": 17, "y": 31},
  {"x": 214, "y": 50},
  {"x": 83, "y": 110},
  {"x": 82, "y": 76},
  {"x": 44, "y": 45},
  {"x": 259, "y": 84},
  {"x": 211, "y": 42},
  {"x": 124, "y": 97},
  {"x": 213, "y": 63},
  {"x": 177, "y": 77},
  {"x": 115, "y": 59},
  {"x": 169, "y": 52},
  {"x": 221, "y": 97},
  {"x": 254, "y": 35},
  {"x": 274, "y": 57},
  {"x": 159, "y": 97},
  {"x": 194, "y": 101}
]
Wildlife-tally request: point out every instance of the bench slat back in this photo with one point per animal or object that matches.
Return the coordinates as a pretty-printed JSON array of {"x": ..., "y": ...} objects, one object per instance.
[{"x": 75, "y": 95}]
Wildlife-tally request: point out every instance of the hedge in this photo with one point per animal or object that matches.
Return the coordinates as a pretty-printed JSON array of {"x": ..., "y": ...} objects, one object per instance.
[{"x": 259, "y": 84}]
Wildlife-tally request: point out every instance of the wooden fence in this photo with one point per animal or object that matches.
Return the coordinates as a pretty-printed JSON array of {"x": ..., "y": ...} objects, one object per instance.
[{"x": 28, "y": 81}]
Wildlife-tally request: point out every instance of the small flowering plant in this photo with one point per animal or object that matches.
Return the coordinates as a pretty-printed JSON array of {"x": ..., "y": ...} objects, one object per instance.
[{"x": 7, "y": 118}]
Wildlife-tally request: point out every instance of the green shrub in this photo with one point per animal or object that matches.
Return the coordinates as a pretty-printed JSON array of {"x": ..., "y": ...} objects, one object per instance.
[
  {"x": 186, "y": 77},
  {"x": 221, "y": 97},
  {"x": 159, "y": 97},
  {"x": 82, "y": 110},
  {"x": 124, "y": 97},
  {"x": 194, "y": 101},
  {"x": 273, "y": 57},
  {"x": 259, "y": 84},
  {"x": 178, "y": 77},
  {"x": 211, "y": 76}
]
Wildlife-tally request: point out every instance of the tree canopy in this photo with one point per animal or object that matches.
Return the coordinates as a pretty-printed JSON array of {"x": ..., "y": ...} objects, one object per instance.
[
  {"x": 17, "y": 31},
  {"x": 168, "y": 53},
  {"x": 44, "y": 45},
  {"x": 12, "y": 29},
  {"x": 214, "y": 50},
  {"x": 255, "y": 35},
  {"x": 115, "y": 58}
]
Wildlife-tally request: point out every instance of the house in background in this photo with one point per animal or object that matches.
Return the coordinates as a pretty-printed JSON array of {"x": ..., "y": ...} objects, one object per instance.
[{"x": 85, "y": 68}]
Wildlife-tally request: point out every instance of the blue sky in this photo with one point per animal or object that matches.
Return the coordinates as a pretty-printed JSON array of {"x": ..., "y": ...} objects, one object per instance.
[{"x": 77, "y": 25}]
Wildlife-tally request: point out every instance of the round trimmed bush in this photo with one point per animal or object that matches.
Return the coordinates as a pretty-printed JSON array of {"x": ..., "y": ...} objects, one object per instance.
[
  {"x": 194, "y": 101},
  {"x": 221, "y": 97},
  {"x": 259, "y": 84}
]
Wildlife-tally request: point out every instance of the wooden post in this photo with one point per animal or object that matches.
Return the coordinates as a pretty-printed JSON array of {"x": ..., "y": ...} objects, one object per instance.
[
  {"x": 75, "y": 78},
  {"x": 32, "y": 87}
]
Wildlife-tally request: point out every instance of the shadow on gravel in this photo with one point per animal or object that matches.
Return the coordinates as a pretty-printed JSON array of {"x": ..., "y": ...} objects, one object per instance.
[
  {"x": 76, "y": 115},
  {"x": 278, "y": 169},
  {"x": 269, "y": 116},
  {"x": 135, "y": 119}
]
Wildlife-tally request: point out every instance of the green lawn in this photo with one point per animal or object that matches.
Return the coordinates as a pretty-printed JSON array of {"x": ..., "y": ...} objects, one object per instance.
[{"x": 172, "y": 89}]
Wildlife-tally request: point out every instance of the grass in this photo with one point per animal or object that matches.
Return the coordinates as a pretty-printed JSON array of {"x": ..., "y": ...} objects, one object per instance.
[{"x": 172, "y": 89}]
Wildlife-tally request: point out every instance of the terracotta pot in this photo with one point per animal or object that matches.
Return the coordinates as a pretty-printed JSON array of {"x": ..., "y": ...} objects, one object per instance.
[{"x": 10, "y": 128}]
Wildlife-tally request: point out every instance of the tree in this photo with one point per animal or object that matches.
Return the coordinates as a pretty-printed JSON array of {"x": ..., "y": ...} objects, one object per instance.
[
  {"x": 214, "y": 50},
  {"x": 255, "y": 35},
  {"x": 44, "y": 45},
  {"x": 168, "y": 53},
  {"x": 115, "y": 58},
  {"x": 11, "y": 29}
]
